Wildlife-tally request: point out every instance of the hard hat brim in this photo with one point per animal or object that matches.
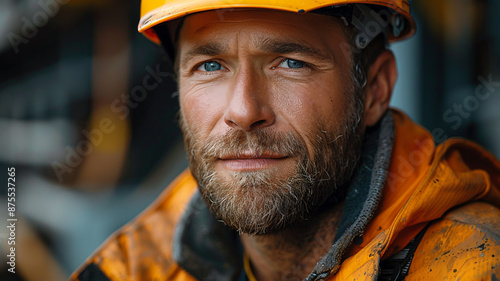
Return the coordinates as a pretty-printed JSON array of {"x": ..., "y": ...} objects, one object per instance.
[{"x": 152, "y": 15}]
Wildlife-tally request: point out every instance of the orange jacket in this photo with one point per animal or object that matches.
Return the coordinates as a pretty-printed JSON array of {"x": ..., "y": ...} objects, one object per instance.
[{"x": 454, "y": 188}]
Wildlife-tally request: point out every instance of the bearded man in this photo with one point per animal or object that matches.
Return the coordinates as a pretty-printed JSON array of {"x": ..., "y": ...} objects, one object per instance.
[{"x": 298, "y": 168}]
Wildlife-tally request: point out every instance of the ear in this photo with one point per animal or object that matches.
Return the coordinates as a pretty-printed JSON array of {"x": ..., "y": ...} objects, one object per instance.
[{"x": 381, "y": 78}]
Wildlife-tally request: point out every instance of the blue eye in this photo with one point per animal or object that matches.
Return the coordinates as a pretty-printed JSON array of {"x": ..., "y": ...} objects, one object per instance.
[
  {"x": 290, "y": 63},
  {"x": 210, "y": 66}
]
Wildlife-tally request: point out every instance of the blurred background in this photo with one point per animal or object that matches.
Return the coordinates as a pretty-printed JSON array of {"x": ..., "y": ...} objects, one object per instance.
[{"x": 88, "y": 114}]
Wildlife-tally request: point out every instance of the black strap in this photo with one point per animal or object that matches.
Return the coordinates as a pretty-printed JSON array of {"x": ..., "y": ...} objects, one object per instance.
[
  {"x": 92, "y": 273},
  {"x": 163, "y": 34},
  {"x": 397, "y": 267}
]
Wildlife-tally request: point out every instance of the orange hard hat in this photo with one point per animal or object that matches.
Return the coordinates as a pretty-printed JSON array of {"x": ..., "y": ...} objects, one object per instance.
[{"x": 155, "y": 12}]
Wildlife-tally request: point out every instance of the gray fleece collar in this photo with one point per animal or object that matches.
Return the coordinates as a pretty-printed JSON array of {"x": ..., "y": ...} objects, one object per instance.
[
  {"x": 209, "y": 251},
  {"x": 362, "y": 196}
]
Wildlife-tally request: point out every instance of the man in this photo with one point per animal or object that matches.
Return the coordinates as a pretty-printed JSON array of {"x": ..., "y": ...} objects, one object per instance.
[{"x": 298, "y": 169}]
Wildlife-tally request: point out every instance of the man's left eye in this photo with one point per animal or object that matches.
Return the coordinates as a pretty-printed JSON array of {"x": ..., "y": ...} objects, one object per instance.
[
  {"x": 291, "y": 63},
  {"x": 210, "y": 66}
]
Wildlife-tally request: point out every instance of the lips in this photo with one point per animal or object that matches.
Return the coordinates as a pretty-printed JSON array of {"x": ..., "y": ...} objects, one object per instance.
[
  {"x": 248, "y": 161},
  {"x": 250, "y": 155}
]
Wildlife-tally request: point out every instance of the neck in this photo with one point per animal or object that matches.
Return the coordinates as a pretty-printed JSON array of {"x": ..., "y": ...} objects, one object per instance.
[{"x": 292, "y": 253}]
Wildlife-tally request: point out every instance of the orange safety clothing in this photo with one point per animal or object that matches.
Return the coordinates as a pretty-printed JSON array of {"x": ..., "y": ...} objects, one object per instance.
[{"x": 452, "y": 188}]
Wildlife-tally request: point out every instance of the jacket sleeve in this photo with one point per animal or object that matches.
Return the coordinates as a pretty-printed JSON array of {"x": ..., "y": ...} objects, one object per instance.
[
  {"x": 142, "y": 249},
  {"x": 464, "y": 245}
]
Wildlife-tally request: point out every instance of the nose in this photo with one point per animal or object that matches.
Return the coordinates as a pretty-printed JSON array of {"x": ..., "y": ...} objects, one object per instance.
[{"x": 249, "y": 107}]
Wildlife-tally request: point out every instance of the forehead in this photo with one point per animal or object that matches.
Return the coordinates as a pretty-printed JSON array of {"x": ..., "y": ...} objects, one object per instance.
[
  {"x": 242, "y": 15},
  {"x": 257, "y": 25}
]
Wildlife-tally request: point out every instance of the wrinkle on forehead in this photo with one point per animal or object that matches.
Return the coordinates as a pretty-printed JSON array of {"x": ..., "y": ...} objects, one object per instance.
[{"x": 278, "y": 32}]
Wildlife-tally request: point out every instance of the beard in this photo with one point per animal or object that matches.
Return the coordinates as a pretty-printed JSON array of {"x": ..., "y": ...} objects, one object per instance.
[{"x": 265, "y": 201}]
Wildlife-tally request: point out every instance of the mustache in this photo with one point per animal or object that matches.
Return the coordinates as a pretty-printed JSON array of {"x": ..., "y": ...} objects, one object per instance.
[{"x": 262, "y": 141}]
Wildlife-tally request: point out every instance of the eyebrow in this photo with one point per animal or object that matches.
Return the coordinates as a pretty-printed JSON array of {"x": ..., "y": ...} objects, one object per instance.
[
  {"x": 287, "y": 47},
  {"x": 207, "y": 49},
  {"x": 267, "y": 45}
]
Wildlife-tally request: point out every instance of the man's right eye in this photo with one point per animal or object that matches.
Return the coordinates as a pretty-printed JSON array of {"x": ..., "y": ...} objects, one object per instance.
[{"x": 210, "y": 66}]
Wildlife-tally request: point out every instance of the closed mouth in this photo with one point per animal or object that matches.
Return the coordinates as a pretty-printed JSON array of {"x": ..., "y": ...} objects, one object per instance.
[
  {"x": 248, "y": 161},
  {"x": 252, "y": 155}
]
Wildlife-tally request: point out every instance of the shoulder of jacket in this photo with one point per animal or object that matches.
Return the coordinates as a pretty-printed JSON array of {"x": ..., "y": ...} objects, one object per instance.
[
  {"x": 142, "y": 249},
  {"x": 463, "y": 245}
]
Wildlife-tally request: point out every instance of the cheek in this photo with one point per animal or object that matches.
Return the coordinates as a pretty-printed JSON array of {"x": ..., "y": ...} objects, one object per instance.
[
  {"x": 202, "y": 107},
  {"x": 319, "y": 100}
]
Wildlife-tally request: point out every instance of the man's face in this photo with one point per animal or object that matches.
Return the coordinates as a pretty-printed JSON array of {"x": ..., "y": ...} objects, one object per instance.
[{"x": 268, "y": 112}]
